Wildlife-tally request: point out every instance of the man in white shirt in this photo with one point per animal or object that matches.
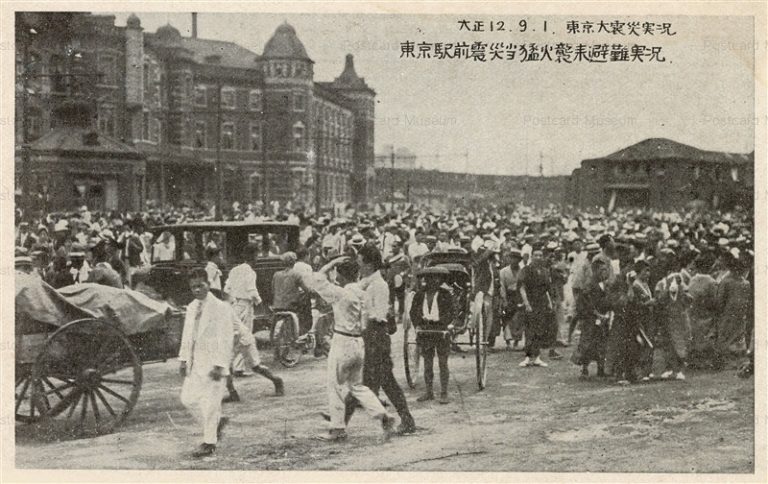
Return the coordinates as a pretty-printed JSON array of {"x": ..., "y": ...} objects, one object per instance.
[
  {"x": 417, "y": 248},
  {"x": 242, "y": 293},
  {"x": 388, "y": 238},
  {"x": 345, "y": 360},
  {"x": 204, "y": 356},
  {"x": 212, "y": 253},
  {"x": 378, "y": 344}
]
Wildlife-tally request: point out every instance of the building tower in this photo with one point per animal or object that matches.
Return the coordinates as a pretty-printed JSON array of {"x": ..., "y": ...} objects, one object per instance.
[
  {"x": 288, "y": 137},
  {"x": 363, "y": 97}
]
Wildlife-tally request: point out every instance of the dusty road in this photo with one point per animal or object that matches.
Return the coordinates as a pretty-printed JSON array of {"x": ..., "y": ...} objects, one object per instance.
[{"x": 528, "y": 419}]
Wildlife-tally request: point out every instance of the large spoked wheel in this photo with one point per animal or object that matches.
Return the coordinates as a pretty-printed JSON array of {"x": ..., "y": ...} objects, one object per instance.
[
  {"x": 25, "y": 387},
  {"x": 87, "y": 376},
  {"x": 481, "y": 345},
  {"x": 284, "y": 338}
]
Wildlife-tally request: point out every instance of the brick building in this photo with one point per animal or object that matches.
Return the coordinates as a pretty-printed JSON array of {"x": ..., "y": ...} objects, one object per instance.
[
  {"x": 663, "y": 174},
  {"x": 174, "y": 100}
]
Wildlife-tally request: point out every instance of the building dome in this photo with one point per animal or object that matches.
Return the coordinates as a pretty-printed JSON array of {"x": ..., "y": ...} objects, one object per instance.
[
  {"x": 133, "y": 22},
  {"x": 284, "y": 44},
  {"x": 168, "y": 33}
]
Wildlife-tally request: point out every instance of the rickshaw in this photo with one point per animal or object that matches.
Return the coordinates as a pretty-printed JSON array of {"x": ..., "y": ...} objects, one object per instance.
[
  {"x": 80, "y": 351},
  {"x": 469, "y": 315}
]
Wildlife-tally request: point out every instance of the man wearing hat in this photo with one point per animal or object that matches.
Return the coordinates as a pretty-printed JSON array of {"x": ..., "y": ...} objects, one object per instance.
[
  {"x": 432, "y": 310},
  {"x": 23, "y": 264},
  {"x": 398, "y": 267},
  {"x": 24, "y": 238},
  {"x": 79, "y": 266},
  {"x": 131, "y": 247}
]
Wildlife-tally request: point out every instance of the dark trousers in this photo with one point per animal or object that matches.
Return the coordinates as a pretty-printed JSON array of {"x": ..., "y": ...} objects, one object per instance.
[
  {"x": 537, "y": 330},
  {"x": 429, "y": 346},
  {"x": 377, "y": 371},
  {"x": 399, "y": 294}
]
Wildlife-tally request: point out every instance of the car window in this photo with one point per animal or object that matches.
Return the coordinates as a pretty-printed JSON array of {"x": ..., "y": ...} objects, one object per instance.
[
  {"x": 164, "y": 249},
  {"x": 215, "y": 239},
  {"x": 269, "y": 244}
]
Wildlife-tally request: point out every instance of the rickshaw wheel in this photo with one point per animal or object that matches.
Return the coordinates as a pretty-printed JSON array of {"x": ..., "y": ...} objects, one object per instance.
[
  {"x": 481, "y": 346},
  {"x": 26, "y": 411},
  {"x": 284, "y": 339},
  {"x": 87, "y": 370}
]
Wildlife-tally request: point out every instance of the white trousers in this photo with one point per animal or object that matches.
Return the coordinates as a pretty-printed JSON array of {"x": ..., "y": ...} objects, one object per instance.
[
  {"x": 245, "y": 347},
  {"x": 202, "y": 398},
  {"x": 244, "y": 311},
  {"x": 345, "y": 377}
]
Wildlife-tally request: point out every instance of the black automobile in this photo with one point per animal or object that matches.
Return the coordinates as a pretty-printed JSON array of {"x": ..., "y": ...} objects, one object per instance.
[{"x": 179, "y": 248}]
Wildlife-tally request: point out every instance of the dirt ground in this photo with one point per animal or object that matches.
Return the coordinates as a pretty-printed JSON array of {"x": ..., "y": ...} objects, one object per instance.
[{"x": 526, "y": 420}]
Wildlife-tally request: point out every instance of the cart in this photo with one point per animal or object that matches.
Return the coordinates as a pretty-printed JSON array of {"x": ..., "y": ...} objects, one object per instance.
[
  {"x": 80, "y": 351},
  {"x": 469, "y": 320}
]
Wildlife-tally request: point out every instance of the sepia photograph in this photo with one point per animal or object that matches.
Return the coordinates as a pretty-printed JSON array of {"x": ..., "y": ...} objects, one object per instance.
[{"x": 509, "y": 241}]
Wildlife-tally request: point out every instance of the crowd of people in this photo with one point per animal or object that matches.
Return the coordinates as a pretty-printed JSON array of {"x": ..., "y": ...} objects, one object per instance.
[{"x": 650, "y": 293}]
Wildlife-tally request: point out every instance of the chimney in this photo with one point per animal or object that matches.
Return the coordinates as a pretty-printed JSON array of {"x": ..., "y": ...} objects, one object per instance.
[{"x": 194, "y": 25}]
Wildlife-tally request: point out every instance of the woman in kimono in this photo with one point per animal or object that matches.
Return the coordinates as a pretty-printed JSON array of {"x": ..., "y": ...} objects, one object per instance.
[
  {"x": 733, "y": 302},
  {"x": 634, "y": 337},
  {"x": 594, "y": 307},
  {"x": 703, "y": 311},
  {"x": 675, "y": 331}
]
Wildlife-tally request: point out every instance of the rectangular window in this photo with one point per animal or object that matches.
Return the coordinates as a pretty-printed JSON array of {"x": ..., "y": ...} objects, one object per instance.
[
  {"x": 298, "y": 137},
  {"x": 147, "y": 74},
  {"x": 157, "y": 128},
  {"x": 145, "y": 126},
  {"x": 200, "y": 138},
  {"x": 34, "y": 124},
  {"x": 299, "y": 101},
  {"x": 254, "y": 100},
  {"x": 255, "y": 137},
  {"x": 58, "y": 79},
  {"x": 228, "y": 136},
  {"x": 200, "y": 96},
  {"x": 107, "y": 121},
  {"x": 227, "y": 98},
  {"x": 107, "y": 70}
]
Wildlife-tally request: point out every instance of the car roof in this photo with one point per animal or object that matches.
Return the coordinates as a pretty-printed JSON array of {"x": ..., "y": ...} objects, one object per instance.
[{"x": 212, "y": 225}]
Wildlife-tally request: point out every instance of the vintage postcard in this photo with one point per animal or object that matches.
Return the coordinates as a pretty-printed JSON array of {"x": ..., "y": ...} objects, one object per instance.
[{"x": 383, "y": 241}]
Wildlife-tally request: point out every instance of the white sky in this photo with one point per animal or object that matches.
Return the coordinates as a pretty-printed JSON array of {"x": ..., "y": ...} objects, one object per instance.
[{"x": 509, "y": 115}]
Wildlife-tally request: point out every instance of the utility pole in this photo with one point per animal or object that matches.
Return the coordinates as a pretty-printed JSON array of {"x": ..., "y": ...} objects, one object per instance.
[{"x": 219, "y": 167}]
